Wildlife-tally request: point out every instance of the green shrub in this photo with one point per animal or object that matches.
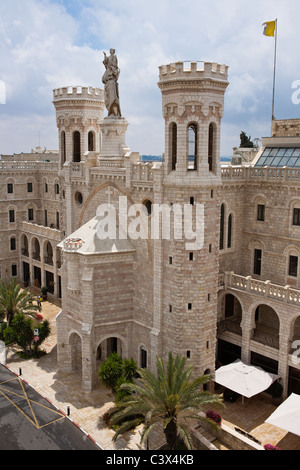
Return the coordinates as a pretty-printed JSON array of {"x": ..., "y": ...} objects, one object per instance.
[{"x": 115, "y": 371}]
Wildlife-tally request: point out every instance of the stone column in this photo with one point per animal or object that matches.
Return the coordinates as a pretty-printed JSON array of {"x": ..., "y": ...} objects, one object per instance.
[
  {"x": 247, "y": 328},
  {"x": 284, "y": 349},
  {"x": 113, "y": 138}
]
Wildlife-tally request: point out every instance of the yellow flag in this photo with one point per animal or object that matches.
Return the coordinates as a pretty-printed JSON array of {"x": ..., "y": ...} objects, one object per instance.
[{"x": 269, "y": 28}]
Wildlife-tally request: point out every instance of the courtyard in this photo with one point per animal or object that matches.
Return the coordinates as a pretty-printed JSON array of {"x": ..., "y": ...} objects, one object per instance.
[{"x": 63, "y": 390}]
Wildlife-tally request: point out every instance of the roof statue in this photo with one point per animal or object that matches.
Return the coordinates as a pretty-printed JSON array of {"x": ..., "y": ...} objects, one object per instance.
[{"x": 111, "y": 86}]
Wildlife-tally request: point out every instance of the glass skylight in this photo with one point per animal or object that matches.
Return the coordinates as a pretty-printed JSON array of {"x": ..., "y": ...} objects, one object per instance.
[{"x": 280, "y": 157}]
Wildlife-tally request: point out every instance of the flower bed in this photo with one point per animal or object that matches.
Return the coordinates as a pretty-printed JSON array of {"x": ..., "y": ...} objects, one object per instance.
[
  {"x": 214, "y": 417},
  {"x": 270, "y": 447}
]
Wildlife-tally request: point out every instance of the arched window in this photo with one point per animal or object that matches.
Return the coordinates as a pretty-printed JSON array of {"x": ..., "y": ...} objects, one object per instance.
[
  {"x": 91, "y": 141},
  {"x": 222, "y": 226},
  {"x": 192, "y": 146},
  {"x": 76, "y": 147},
  {"x": 211, "y": 146},
  {"x": 174, "y": 145},
  {"x": 63, "y": 147},
  {"x": 229, "y": 238}
]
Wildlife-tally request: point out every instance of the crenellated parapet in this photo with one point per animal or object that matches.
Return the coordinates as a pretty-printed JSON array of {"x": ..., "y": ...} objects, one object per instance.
[
  {"x": 78, "y": 93},
  {"x": 192, "y": 71}
]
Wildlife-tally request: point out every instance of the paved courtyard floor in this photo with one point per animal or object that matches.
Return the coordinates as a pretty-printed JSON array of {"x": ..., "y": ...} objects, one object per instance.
[{"x": 87, "y": 409}]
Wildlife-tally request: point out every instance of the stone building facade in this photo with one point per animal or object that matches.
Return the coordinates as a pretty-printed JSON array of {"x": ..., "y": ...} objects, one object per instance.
[{"x": 233, "y": 294}]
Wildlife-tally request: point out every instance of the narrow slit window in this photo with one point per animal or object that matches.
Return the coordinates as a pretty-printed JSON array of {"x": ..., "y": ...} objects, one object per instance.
[
  {"x": 211, "y": 139},
  {"x": 192, "y": 146},
  {"x": 76, "y": 147},
  {"x": 174, "y": 145}
]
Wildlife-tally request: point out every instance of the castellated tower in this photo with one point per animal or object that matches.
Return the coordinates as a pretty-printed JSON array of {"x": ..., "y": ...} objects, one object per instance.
[
  {"x": 193, "y": 106},
  {"x": 79, "y": 112}
]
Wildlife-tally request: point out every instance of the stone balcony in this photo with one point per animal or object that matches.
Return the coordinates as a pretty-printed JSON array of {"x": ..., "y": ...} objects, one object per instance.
[
  {"x": 42, "y": 231},
  {"x": 232, "y": 174},
  {"x": 265, "y": 289}
]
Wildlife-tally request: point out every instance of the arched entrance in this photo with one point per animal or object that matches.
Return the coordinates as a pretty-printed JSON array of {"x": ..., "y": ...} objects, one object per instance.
[
  {"x": 107, "y": 346},
  {"x": 267, "y": 326}
]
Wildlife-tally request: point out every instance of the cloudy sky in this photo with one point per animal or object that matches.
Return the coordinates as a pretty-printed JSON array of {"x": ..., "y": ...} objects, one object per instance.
[{"x": 46, "y": 44}]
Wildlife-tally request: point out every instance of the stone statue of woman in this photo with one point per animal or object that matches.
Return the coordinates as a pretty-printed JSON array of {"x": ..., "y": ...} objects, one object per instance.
[{"x": 111, "y": 86}]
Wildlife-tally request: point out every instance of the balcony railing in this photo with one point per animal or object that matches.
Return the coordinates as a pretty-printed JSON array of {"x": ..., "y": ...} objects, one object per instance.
[
  {"x": 36, "y": 256},
  {"x": 48, "y": 260},
  {"x": 266, "y": 338},
  {"x": 42, "y": 231},
  {"x": 231, "y": 326},
  {"x": 264, "y": 289}
]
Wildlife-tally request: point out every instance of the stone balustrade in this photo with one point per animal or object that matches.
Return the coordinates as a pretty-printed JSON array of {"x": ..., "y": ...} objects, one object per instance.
[
  {"x": 265, "y": 289},
  {"x": 42, "y": 231},
  {"x": 247, "y": 173},
  {"x": 142, "y": 172},
  {"x": 44, "y": 166}
]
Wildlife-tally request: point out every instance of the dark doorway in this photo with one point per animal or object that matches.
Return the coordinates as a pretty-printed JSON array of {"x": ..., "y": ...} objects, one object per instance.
[
  {"x": 112, "y": 346},
  {"x": 228, "y": 352},
  {"x": 37, "y": 276},
  {"x": 294, "y": 381},
  {"x": 269, "y": 365},
  {"x": 50, "y": 282},
  {"x": 26, "y": 273}
]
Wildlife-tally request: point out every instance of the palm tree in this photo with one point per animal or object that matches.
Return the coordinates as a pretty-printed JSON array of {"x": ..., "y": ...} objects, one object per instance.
[
  {"x": 14, "y": 300},
  {"x": 168, "y": 398}
]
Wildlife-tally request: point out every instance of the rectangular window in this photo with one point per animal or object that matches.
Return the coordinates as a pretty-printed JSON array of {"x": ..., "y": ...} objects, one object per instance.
[
  {"x": 57, "y": 189},
  {"x": 11, "y": 216},
  {"x": 30, "y": 215},
  {"x": 57, "y": 220},
  {"x": 10, "y": 188},
  {"x": 14, "y": 271},
  {"x": 296, "y": 218},
  {"x": 29, "y": 187},
  {"x": 293, "y": 266},
  {"x": 257, "y": 262},
  {"x": 46, "y": 187},
  {"x": 261, "y": 213},
  {"x": 46, "y": 218},
  {"x": 143, "y": 359},
  {"x": 13, "y": 244}
]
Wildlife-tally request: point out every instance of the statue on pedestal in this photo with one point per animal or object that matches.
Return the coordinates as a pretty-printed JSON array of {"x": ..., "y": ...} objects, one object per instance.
[{"x": 111, "y": 86}]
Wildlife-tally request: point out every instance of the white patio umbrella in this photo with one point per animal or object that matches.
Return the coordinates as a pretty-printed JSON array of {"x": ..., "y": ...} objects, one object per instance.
[
  {"x": 243, "y": 379},
  {"x": 287, "y": 415}
]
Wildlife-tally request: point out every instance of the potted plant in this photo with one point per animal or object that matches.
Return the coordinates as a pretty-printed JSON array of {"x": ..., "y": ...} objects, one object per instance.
[{"x": 44, "y": 291}]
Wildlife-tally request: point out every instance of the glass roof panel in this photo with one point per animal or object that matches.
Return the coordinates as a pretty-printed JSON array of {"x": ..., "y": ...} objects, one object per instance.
[{"x": 280, "y": 157}]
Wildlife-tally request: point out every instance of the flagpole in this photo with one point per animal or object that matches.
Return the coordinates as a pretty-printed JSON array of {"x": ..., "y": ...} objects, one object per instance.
[{"x": 274, "y": 77}]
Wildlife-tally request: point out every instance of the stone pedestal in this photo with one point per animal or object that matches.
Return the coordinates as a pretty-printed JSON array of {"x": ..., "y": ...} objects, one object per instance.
[{"x": 113, "y": 138}]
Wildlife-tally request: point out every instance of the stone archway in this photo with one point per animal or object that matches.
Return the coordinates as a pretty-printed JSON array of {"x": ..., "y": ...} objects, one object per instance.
[{"x": 267, "y": 326}]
